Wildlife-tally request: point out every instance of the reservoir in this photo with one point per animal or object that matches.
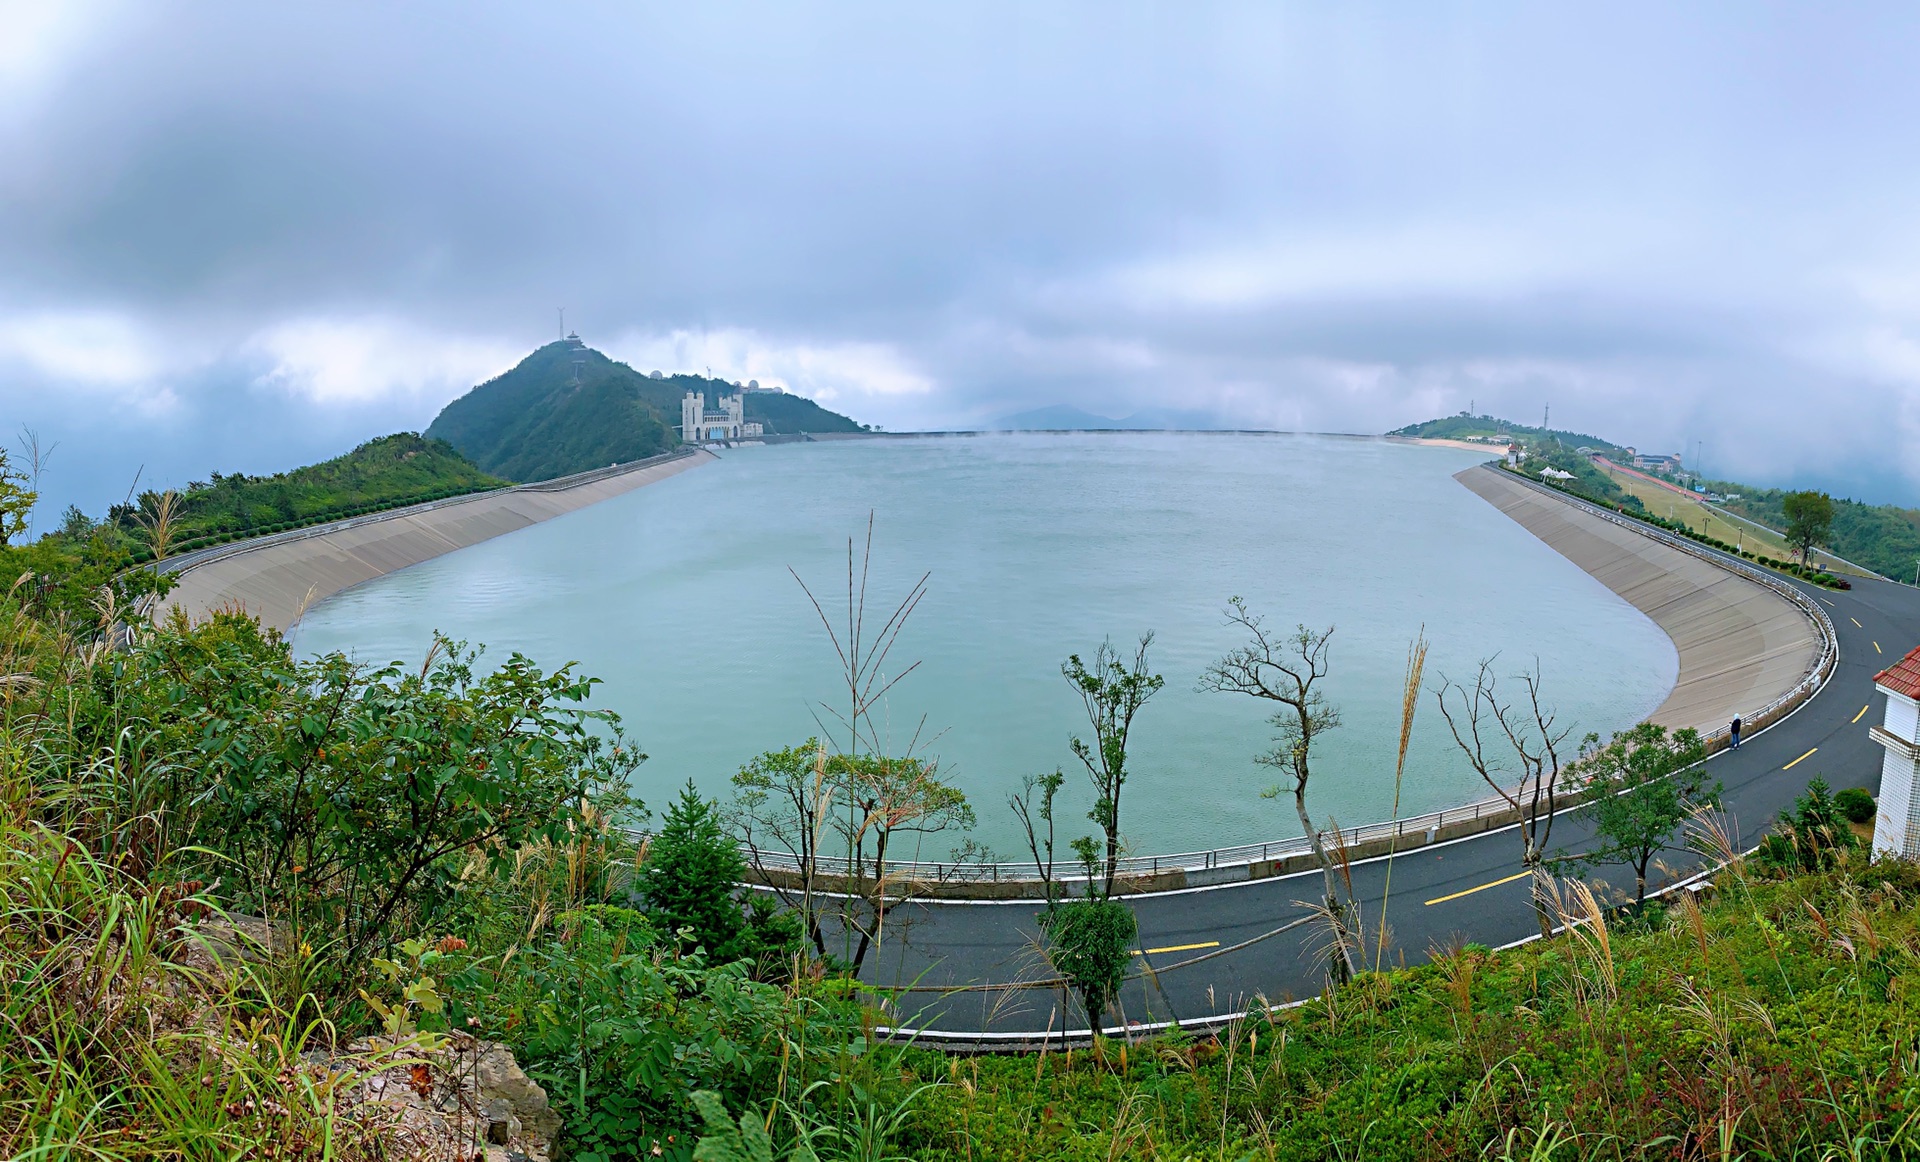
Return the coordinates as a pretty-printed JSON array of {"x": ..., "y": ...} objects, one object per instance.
[{"x": 682, "y": 597}]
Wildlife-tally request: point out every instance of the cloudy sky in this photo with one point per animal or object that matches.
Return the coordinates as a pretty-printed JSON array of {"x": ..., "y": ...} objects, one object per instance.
[{"x": 245, "y": 237}]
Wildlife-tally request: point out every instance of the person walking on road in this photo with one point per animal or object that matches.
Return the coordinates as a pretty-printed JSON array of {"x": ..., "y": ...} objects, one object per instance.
[{"x": 1734, "y": 730}]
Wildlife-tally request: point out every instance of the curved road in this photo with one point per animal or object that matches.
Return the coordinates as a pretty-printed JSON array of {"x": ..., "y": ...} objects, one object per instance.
[{"x": 1470, "y": 889}]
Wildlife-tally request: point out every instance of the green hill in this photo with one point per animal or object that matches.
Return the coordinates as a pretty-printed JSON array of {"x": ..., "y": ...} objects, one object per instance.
[
  {"x": 1882, "y": 537},
  {"x": 392, "y": 471},
  {"x": 1463, "y": 426},
  {"x": 537, "y": 421}
]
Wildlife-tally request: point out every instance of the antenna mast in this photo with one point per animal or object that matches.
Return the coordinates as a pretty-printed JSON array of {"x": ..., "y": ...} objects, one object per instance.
[{"x": 563, "y": 322}]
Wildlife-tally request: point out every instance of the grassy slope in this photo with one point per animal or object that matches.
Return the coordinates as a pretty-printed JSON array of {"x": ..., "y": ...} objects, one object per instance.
[
  {"x": 535, "y": 423},
  {"x": 788, "y": 414},
  {"x": 1784, "y": 1016},
  {"x": 1461, "y": 427},
  {"x": 1882, "y": 537},
  {"x": 385, "y": 473},
  {"x": 401, "y": 467}
]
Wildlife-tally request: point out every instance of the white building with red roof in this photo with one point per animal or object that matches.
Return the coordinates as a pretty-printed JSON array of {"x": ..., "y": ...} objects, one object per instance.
[{"x": 1896, "y": 824}]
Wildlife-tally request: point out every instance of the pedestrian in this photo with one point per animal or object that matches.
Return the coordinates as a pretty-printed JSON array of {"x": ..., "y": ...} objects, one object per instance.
[{"x": 1735, "y": 731}]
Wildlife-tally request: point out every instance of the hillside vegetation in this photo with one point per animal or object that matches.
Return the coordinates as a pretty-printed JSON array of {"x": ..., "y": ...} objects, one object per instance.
[
  {"x": 536, "y": 422},
  {"x": 241, "y": 884},
  {"x": 1482, "y": 427},
  {"x": 1884, "y": 538},
  {"x": 390, "y": 472}
]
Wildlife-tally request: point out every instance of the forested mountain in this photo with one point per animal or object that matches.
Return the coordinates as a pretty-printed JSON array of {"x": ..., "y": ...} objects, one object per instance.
[{"x": 568, "y": 409}]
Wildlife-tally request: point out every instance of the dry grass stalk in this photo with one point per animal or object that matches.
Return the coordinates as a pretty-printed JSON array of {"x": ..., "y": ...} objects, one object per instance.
[{"x": 1409, "y": 702}]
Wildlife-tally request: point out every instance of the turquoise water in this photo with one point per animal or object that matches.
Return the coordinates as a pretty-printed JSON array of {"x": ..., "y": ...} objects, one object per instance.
[{"x": 1038, "y": 546}]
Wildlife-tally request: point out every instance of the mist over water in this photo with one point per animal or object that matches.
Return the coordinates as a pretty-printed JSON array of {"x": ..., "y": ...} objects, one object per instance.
[{"x": 679, "y": 596}]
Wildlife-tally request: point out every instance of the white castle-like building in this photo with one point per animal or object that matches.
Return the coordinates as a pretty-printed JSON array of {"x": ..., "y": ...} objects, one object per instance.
[{"x": 698, "y": 425}]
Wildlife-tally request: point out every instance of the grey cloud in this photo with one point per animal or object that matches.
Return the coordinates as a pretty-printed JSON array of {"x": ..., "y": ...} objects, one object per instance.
[{"x": 1672, "y": 206}]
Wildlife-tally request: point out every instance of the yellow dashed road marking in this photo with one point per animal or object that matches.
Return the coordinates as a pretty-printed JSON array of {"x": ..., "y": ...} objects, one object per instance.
[
  {"x": 1179, "y": 948},
  {"x": 1796, "y": 762},
  {"x": 1856, "y": 718},
  {"x": 1481, "y": 888}
]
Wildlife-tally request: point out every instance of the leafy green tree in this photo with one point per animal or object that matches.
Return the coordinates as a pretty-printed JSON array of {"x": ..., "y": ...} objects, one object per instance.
[
  {"x": 343, "y": 798},
  {"x": 17, "y": 499},
  {"x": 1809, "y": 520},
  {"x": 810, "y": 806},
  {"x": 691, "y": 878},
  {"x": 1643, "y": 784},
  {"x": 1113, "y": 691},
  {"x": 1091, "y": 945}
]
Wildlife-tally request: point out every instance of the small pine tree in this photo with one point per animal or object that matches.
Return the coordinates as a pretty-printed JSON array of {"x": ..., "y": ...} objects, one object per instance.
[{"x": 691, "y": 876}]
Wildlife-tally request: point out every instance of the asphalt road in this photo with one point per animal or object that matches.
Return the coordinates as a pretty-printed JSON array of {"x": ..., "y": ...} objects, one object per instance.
[{"x": 1468, "y": 890}]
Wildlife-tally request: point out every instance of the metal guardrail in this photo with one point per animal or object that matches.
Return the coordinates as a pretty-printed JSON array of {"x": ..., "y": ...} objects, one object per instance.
[
  {"x": 1425, "y": 826},
  {"x": 186, "y": 562}
]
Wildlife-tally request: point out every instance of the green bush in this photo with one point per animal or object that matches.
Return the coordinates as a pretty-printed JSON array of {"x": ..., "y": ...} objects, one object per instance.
[
  {"x": 1091, "y": 944},
  {"x": 1812, "y": 835},
  {"x": 1855, "y": 804},
  {"x": 690, "y": 880}
]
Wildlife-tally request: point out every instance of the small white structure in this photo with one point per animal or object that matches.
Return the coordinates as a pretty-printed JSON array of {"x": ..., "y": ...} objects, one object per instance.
[
  {"x": 698, "y": 425},
  {"x": 1555, "y": 474},
  {"x": 1896, "y": 824},
  {"x": 1515, "y": 454}
]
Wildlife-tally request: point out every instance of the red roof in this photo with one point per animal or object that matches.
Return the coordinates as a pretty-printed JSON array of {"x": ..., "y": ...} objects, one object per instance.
[{"x": 1903, "y": 677}]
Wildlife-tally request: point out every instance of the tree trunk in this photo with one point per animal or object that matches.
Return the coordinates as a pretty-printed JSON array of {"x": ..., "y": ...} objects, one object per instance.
[
  {"x": 1342, "y": 966},
  {"x": 1542, "y": 912}
]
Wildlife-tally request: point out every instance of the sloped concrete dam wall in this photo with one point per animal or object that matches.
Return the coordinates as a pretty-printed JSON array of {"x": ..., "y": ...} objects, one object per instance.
[
  {"x": 1741, "y": 645},
  {"x": 277, "y": 578}
]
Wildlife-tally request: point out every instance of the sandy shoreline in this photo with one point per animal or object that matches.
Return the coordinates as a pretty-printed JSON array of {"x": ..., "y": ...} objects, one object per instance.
[{"x": 276, "y": 582}]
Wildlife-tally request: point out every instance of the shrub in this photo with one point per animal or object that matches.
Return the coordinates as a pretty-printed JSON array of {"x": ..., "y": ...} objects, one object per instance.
[
  {"x": 1091, "y": 945},
  {"x": 1812, "y": 835},
  {"x": 1855, "y": 804},
  {"x": 691, "y": 879},
  {"x": 336, "y": 795}
]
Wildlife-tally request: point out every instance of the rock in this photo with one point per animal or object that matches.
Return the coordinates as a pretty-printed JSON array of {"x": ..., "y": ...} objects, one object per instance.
[
  {"x": 500, "y": 1081},
  {"x": 468, "y": 1098}
]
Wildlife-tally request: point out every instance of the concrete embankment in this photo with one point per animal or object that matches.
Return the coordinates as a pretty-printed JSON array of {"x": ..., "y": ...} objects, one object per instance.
[
  {"x": 1741, "y": 644},
  {"x": 277, "y": 578}
]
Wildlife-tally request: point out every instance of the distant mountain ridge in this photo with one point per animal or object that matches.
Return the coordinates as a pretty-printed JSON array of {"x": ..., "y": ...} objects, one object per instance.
[
  {"x": 537, "y": 421},
  {"x": 1067, "y": 418}
]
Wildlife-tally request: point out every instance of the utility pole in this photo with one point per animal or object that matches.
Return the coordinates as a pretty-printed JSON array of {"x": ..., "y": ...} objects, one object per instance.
[{"x": 563, "y": 322}]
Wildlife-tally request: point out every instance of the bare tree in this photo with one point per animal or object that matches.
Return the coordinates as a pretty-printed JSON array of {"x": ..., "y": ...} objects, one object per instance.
[
  {"x": 1286, "y": 670},
  {"x": 863, "y": 653},
  {"x": 1113, "y": 691},
  {"x": 37, "y": 455},
  {"x": 1036, "y": 820},
  {"x": 1485, "y": 728},
  {"x": 848, "y": 795}
]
